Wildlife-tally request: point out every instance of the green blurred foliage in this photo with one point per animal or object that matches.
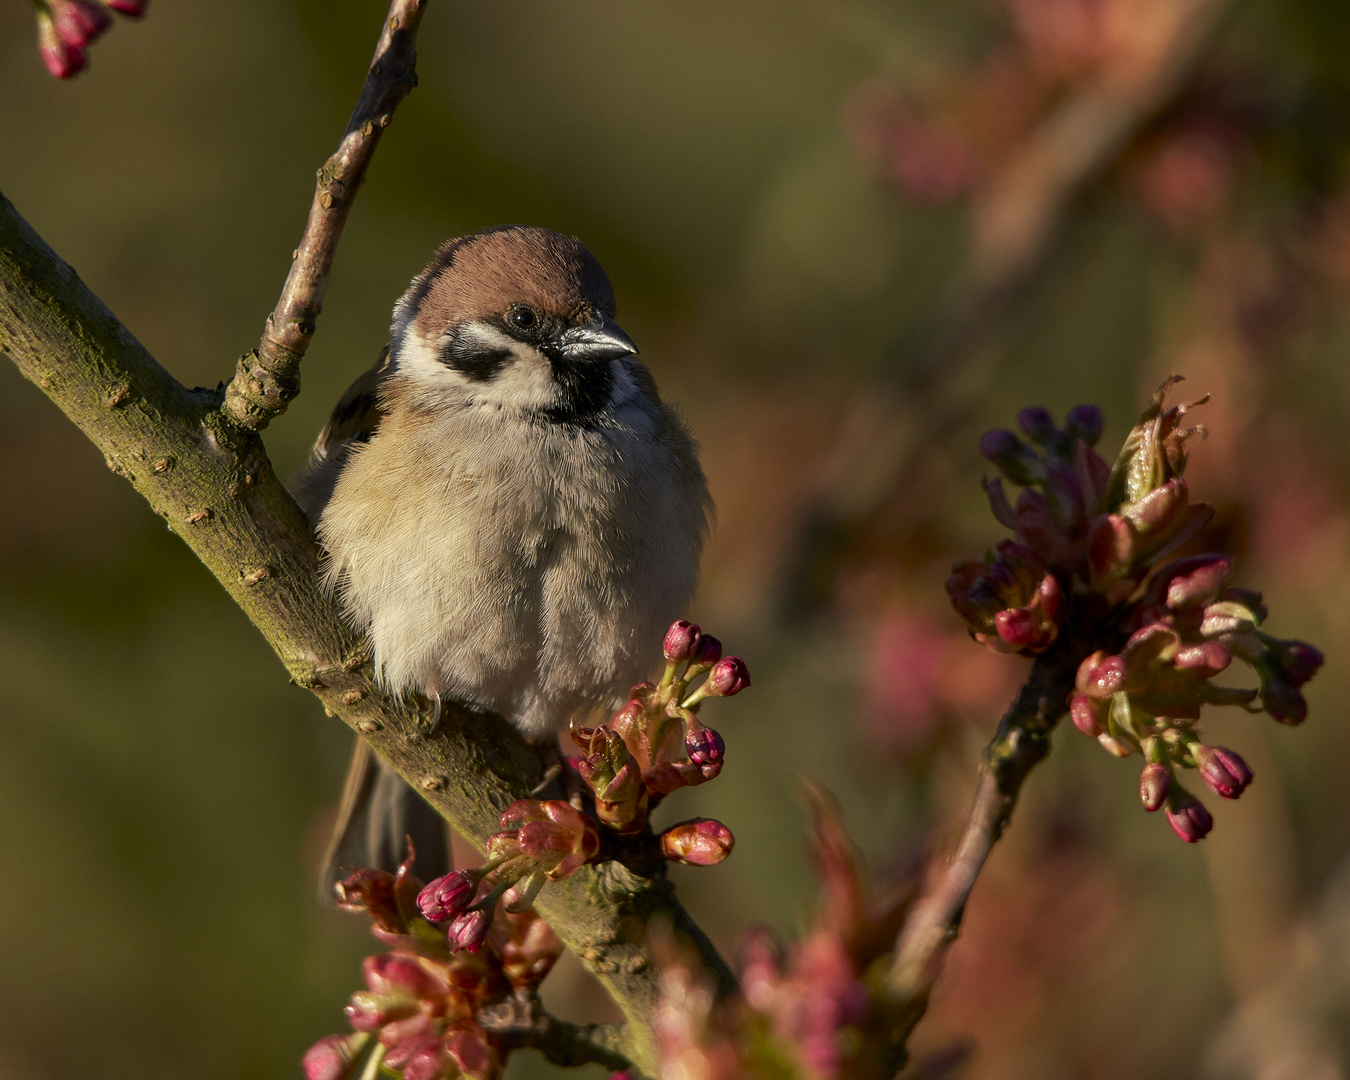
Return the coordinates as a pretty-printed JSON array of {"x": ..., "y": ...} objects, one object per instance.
[{"x": 165, "y": 793}]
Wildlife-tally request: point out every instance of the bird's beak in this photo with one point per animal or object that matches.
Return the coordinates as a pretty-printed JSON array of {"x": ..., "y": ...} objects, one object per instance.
[{"x": 599, "y": 339}]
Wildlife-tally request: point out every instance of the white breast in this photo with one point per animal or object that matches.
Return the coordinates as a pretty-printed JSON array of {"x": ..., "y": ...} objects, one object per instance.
[{"x": 526, "y": 567}]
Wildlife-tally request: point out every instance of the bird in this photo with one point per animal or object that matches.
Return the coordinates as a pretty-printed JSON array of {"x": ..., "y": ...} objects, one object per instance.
[{"x": 506, "y": 509}]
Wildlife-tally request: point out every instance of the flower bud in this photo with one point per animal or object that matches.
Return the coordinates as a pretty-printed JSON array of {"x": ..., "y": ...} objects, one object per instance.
[
  {"x": 708, "y": 650},
  {"x": 704, "y": 746},
  {"x": 1187, "y": 816},
  {"x": 62, "y": 59},
  {"x": 700, "y": 842},
  {"x": 1284, "y": 702},
  {"x": 419, "y": 1058},
  {"x": 1084, "y": 422},
  {"x": 133, "y": 8},
  {"x": 329, "y": 1058},
  {"x": 728, "y": 676},
  {"x": 1037, "y": 423},
  {"x": 1223, "y": 771},
  {"x": 444, "y": 897},
  {"x": 469, "y": 930},
  {"x": 1011, "y": 456},
  {"x": 1206, "y": 659},
  {"x": 367, "y": 1011},
  {"x": 397, "y": 973},
  {"x": 1297, "y": 660},
  {"x": 471, "y": 1054},
  {"x": 79, "y": 22},
  {"x": 1154, "y": 784},
  {"x": 1087, "y": 714},
  {"x": 680, "y": 642},
  {"x": 1100, "y": 676}
]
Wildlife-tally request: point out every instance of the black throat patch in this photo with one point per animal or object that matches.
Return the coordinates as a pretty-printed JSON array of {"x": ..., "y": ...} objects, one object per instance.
[{"x": 584, "y": 389}]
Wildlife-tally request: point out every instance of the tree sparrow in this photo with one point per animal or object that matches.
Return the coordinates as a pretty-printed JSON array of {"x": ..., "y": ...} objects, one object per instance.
[{"x": 507, "y": 507}]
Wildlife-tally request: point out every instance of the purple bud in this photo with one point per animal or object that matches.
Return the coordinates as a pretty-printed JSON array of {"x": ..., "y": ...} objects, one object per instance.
[
  {"x": 728, "y": 676},
  {"x": 1284, "y": 702},
  {"x": 134, "y": 8},
  {"x": 1037, "y": 423},
  {"x": 1084, "y": 422},
  {"x": 1223, "y": 772},
  {"x": 704, "y": 746},
  {"x": 1299, "y": 660},
  {"x": 1154, "y": 783},
  {"x": 445, "y": 897},
  {"x": 680, "y": 642},
  {"x": 469, "y": 930},
  {"x": 1013, "y": 458},
  {"x": 1188, "y": 817},
  {"x": 708, "y": 650}
]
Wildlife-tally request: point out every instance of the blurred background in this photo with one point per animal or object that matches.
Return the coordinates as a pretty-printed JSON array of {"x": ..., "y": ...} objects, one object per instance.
[{"x": 849, "y": 237}]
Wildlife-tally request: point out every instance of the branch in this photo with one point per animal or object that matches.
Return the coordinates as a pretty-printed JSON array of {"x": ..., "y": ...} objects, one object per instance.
[
  {"x": 1021, "y": 742},
  {"x": 521, "y": 1023},
  {"x": 268, "y": 377},
  {"x": 210, "y": 479}
]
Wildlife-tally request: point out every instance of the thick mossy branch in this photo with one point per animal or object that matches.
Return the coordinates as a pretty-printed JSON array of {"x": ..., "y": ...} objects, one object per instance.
[{"x": 212, "y": 482}]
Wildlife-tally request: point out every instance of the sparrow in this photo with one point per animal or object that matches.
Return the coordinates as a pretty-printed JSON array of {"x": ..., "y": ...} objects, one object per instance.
[{"x": 507, "y": 509}]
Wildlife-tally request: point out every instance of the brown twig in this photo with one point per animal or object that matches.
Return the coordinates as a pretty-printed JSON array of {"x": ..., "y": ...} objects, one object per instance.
[
  {"x": 1021, "y": 742},
  {"x": 521, "y": 1023},
  {"x": 268, "y": 377}
]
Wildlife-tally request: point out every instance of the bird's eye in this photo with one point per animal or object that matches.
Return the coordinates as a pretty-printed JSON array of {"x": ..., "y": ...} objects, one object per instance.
[{"x": 522, "y": 317}]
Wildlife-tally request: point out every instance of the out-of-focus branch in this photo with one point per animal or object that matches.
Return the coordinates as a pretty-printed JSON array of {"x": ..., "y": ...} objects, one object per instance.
[
  {"x": 268, "y": 376},
  {"x": 1018, "y": 221},
  {"x": 521, "y": 1024},
  {"x": 1021, "y": 742}
]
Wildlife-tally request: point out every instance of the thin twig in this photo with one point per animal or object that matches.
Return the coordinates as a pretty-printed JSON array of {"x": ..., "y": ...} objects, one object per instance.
[
  {"x": 1021, "y": 742},
  {"x": 268, "y": 377},
  {"x": 521, "y": 1023}
]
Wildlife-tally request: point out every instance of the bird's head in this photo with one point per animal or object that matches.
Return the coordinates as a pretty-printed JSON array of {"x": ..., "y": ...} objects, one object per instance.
[{"x": 513, "y": 316}]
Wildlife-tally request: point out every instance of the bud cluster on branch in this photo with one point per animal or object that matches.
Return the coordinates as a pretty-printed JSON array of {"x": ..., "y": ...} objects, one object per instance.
[
  {"x": 1089, "y": 562},
  {"x": 467, "y": 941}
]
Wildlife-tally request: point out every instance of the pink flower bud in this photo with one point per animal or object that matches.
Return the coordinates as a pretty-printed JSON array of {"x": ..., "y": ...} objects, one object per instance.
[
  {"x": 728, "y": 676},
  {"x": 133, "y": 8},
  {"x": 1100, "y": 676},
  {"x": 61, "y": 58},
  {"x": 445, "y": 897},
  {"x": 708, "y": 650},
  {"x": 370, "y": 1012},
  {"x": 395, "y": 973},
  {"x": 1154, "y": 784},
  {"x": 1037, "y": 423},
  {"x": 680, "y": 642},
  {"x": 700, "y": 842},
  {"x": 1084, "y": 422},
  {"x": 1188, "y": 817},
  {"x": 1223, "y": 772},
  {"x": 469, "y": 930},
  {"x": 328, "y": 1058},
  {"x": 704, "y": 746},
  {"x": 78, "y": 22},
  {"x": 420, "y": 1058},
  {"x": 471, "y": 1054},
  {"x": 1206, "y": 659},
  {"x": 1086, "y": 714},
  {"x": 1192, "y": 581}
]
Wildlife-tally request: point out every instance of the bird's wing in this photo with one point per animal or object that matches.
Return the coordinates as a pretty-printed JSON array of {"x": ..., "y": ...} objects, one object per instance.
[{"x": 352, "y": 423}]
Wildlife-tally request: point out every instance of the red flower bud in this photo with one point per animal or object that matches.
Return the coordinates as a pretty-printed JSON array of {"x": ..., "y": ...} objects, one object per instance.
[
  {"x": 729, "y": 676},
  {"x": 328, "y": 1058},
  {"x": 78, "y": 22},
  {"x": 1154, "y": 784},
  {"x": 133, "y": 8},
  {"x": 1100, "y": 676},
  {"x": 62, "y": 59},
  {"x": 397, "y": 973},
  {"x": 447, "y": 896},
  {"x": 1223, "y": 772},
  {"x": 1087, "y": 714},
  {"x": 1188, "y": 817},
  {"x": 704, "y": 746},
  {"x": 708, "y": 650},
  {"x": 700, "y": 842},
  {"x": 469, "y": 930},
  {"x": 681, "y": 641}
]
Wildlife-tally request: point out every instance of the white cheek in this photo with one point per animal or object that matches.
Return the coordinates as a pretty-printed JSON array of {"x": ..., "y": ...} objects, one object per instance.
[{"x": 524, "y": 382}]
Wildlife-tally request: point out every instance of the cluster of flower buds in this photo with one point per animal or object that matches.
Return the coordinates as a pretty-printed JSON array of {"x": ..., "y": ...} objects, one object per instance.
[
  {"x": 66, "y": 29},
  {"x": 1089, "y": 561},
  {"x": 654, "y": 745},
  {"x": 419, "y": 1015},
  {"x": 807, "y": 1010}
]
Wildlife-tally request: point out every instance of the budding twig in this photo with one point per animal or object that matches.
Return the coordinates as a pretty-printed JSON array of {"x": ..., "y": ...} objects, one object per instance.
[{"x": 268, "y": 377}]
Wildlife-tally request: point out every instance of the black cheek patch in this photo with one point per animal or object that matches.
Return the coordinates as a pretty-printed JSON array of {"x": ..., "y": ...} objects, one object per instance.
[{"x": 476, "y": 362}]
